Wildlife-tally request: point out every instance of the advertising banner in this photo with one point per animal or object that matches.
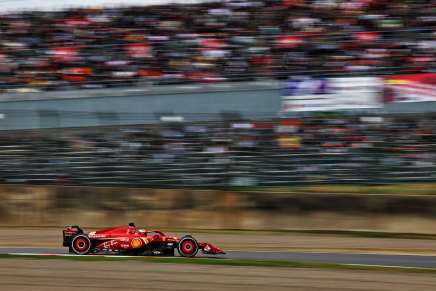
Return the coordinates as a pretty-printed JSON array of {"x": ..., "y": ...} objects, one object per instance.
[
  {"x": 330, "y": 94},
  {"x": 410, "y": 88}
]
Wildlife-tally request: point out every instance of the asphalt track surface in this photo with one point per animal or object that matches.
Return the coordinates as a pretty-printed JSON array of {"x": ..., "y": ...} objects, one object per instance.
[{"x": 407, "y": 261}]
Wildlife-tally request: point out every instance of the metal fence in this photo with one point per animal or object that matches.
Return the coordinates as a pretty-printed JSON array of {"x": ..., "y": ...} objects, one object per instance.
[{"x": 230, "y": 153}]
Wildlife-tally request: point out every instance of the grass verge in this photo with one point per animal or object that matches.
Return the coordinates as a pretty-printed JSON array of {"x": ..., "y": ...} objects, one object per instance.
[
  {"x": 388, "y": 189},
  {"x": 227, "y": 262},
  {"x": 234, "y": 231}
]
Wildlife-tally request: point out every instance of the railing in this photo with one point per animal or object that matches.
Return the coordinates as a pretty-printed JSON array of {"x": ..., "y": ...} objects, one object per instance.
[{"x": 115, "y": 158}]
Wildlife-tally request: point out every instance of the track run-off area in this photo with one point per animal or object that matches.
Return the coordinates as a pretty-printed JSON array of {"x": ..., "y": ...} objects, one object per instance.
[{"x": 382, "y": 260}]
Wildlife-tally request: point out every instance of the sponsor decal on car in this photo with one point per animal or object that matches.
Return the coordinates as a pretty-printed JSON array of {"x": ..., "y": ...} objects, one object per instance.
[
  {"x": 136, "y": 243},
  {"x": 94, "y": 235}
]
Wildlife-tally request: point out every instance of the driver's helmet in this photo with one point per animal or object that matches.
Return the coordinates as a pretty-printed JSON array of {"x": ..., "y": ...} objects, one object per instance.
[{"x": 132, "y": 227}]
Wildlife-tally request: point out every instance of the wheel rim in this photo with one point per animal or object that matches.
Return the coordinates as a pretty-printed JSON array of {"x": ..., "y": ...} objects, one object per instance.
[
  {"x": 81, "y": 244},
  {"x": 188, "y": 247}
]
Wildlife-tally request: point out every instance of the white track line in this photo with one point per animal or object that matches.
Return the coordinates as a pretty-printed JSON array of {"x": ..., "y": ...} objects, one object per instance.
[
  {"x": 71, "y": 255},
  {"x": 104, "y": 256},
  {"x": 389, "y": 266},
  {"x": 119, "y": 256}
]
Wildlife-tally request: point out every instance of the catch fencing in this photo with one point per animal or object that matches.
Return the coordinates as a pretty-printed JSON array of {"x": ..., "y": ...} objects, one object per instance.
[{"x": 226, "y": 154}]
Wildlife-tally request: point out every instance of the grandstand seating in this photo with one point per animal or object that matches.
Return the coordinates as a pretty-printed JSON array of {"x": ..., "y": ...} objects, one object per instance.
[
  {"x": 335, "y": 150},
  {"x": 213, "y": 42}
]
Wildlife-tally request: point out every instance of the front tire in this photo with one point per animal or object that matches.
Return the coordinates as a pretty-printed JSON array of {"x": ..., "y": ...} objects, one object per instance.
[
  {"x": 80, "y": 244},
  {"x": 187, "y": 247}
]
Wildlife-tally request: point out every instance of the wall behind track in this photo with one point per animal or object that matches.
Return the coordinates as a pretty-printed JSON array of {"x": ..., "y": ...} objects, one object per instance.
[
  {"x": 115, "y": 107},
  {"x": 92, "y": 206}
]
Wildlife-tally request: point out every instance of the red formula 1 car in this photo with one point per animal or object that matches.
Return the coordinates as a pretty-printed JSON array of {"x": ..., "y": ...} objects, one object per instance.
[{"x": 129, "y": 240}]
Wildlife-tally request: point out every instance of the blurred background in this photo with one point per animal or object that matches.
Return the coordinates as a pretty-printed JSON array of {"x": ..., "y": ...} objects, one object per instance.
[{"x": 236, "y": 106}]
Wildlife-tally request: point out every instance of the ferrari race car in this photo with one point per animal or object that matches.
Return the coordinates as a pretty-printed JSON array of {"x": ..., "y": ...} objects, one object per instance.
[{"x": 128, "y": 240}]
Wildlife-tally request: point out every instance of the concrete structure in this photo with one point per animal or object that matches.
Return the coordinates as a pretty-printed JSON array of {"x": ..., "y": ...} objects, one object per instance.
[
  {"x": 145, "y": 104},
  {"x": 138, "y": 105}
]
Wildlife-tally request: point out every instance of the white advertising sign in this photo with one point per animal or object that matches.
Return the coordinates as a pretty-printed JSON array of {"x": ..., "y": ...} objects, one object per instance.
[{"x": 329, "y": 94}]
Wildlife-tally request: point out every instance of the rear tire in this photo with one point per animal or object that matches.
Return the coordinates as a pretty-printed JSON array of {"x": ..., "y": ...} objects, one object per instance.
[
  {"x": 80, "y": 244},
  {"x": 187, "y": 247}
]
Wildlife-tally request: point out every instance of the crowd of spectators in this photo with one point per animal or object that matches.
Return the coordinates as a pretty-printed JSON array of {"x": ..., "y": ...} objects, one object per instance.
[
  {"x": 229, "y": 40},
  {"x": 366, "y": 149}
]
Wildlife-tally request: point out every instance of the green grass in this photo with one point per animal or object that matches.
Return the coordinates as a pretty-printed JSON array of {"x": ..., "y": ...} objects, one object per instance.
[
  {"x": 225, "y": 262},
  {"x": 327, "y": 232},
  {"x": 392, "y": 189},
  {"x": 367, "y": 234},
  {"x": 230, "y": 231}
]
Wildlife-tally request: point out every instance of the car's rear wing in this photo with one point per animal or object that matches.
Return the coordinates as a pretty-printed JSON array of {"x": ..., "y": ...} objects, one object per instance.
[{"x": 69, "y": 232}]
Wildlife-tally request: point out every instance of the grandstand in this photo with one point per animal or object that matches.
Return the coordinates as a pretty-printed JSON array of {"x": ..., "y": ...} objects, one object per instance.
[
  {"x": 334, "y": 150},
  {"x": 213, "y": 42},
  {"x": 209, "y": 59}
]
